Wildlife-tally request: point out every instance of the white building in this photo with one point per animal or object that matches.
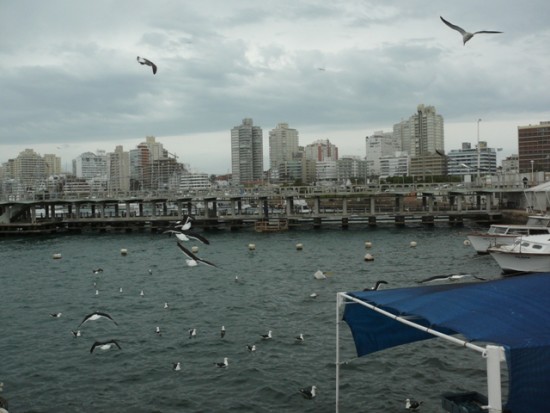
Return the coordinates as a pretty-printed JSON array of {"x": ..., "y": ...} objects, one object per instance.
[
  {"x": 90, "y": 165},
  {"x": 246, "y": 153},
  {"x": 380, "y": 144},
  {"x": 423, "y": 133},
  {"x": 396, "y": 165},
  {"x": 465, "y": 161},
  {"x": 283, "y": 144},
  {"x": 191, "y": 181},
  {"x": 321, "y": 150},
  {"x": 118, "y": 166},
  {"x": 326, "y": 172}
]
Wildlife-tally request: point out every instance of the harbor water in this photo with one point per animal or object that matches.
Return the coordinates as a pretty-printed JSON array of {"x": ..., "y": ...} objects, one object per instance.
[{"x": 45, "y": 369}]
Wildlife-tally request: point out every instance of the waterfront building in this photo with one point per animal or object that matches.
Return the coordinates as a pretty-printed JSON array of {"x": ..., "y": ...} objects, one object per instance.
[
  {"x": 395, "y": 165},
  {"x": 511, "y": 164},
  {"x": 534, "y": 147},
  {"x": 326, "y": 172},
  {"x": 118, "y": 166},
  {"x": 380, "y": 144},
  {"x": 321, "y": 150},
  {"x": 191, "y": 181},
  {"x": 422, "y": 136},
  {"x": 352, "y": 168},
  {"x": 464, "y": 161},
  {"x": 29, "y": 170},
  {"x": 89, "y": 165},
  {"x": 53, "y": 164},
  {"x": 246, "y": 153},
  {"x": 283, "y": 143}
]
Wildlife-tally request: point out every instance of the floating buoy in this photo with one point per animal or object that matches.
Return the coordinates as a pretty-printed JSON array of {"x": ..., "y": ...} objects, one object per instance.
[
  {"x": 123, "y": 251},
  {"x": 467, "y": 242},
  {"x": 56, "y": 256},
  {"x": 299, "y": 247},
  {"x": 368, "y": 244},
  {"x": 194, "y": 249},
  {"x": 369, "y": 257},
  {"x": 251, "y": 247},
  {"x": 413, "y": 244}
]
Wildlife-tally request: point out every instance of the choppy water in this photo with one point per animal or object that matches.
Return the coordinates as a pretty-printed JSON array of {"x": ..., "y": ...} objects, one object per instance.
[{"x": 45, "y": 369}]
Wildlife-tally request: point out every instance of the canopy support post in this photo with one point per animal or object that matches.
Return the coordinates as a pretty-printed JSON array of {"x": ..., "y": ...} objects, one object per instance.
[
  {"x": 494, "y": 355},
  {"x": 339, "y": 302}
]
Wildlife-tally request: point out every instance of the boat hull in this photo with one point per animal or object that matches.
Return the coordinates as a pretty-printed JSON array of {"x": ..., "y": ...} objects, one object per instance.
[{"x": 513, "y": 262}]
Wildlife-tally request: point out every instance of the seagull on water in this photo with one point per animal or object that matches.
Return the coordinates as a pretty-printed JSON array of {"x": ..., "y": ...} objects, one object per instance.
[
  {"x": 96, "y": 315},
  {"x": 300, "y": 338},
  {"x": 319, "y": 275},
  {"x": 56, "y": 315},
  {"x": 449, "y": 277},
  {"x": 97, "y": 270},
  {"x": 267, "y": 336},
  {"x": 412, "y": 405},
  {"x": 166, "y": 305},
  {"x": 376, "y": 286},
  {"x": 223, "y": 364},
  {"x": 251, "y": 348},
  {"x": 465, "y": 35},
  {"x": 176, "y": 366},
  {"x": 222, "y": 332},
  {"x": 75, "y": 333},
  {"x": 105, "y": 345},
  {"x": 193, "y": 260},
  {"x": 144, "y": 61},
  {"x": 313, "y": 295},
  {"x": 309, "y": 393},
  {"x": 157, "y": 331},
  {"x": 192, "y": 333}
]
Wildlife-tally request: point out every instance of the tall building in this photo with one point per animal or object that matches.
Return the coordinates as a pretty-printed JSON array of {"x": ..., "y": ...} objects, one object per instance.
[
  {"x": 283, "y": 143},
  {"x": 534, "y": 147},
  {"x": 89, "y": 165},
  {"x": 247, "y": 153},
  {"x": 118, "y": 165},
  {"x": 53, "y": 164},
  {"x": 422, "y": 133},
  {"x": 321, "y": 150},
  {"x": 352, "y": 168},
  {"x": 30, "y": 169},
  {"x": 380, "y": 144}
]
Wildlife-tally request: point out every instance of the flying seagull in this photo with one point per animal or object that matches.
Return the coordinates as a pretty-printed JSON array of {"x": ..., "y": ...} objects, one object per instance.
[
  {"x": 95, "y": 316},
  {"x": 309, "y": 393},
  {"x": 376, "y": 286},
  {"x": 144, "y": 61},
  {"x": 193, "y": 260},
  {"x": 465, "y": 35},
  {"x": 105, "y": 345},
  {"x": 449, "y": 277}
]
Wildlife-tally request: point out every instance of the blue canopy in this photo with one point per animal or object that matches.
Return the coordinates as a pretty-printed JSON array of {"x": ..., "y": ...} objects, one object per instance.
[{"x": 512, "y": 312}]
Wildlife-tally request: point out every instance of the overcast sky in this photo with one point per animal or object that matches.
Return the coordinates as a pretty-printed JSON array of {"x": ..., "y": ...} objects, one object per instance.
[{"x": 70, "y": 82}]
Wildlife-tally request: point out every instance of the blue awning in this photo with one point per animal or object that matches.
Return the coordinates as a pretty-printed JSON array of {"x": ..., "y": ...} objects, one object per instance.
[{"x": 512, "y": 312}]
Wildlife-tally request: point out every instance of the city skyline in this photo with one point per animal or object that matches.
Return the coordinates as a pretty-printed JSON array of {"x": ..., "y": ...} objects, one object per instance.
[{"x": 72, "y": 84}]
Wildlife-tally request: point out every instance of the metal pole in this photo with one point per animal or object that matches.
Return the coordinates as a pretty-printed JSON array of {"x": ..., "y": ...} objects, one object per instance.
[
  {"x": 478, "y": 154},
  {"x": 494, "y": 356},
  {"x": 339, "y": 300}
]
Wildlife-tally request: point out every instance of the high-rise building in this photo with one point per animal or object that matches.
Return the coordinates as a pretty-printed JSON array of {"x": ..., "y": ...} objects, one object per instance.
[
  {"x": 246, "y": 153},
  {"x": 89, "y": 165},
  {"x": 380, "y": 144},
  {"x": 534, "y": 147},
  {"x": 53, "y": 164},
  {"x": 30, "y": 169},
  {"x": 465, "y": 160},
  {"x": 422, "y": 133},
  {"x": 321, "y": 150},
  {"x": 283, "y": 143},
  {"x": 118, "y": 165}
]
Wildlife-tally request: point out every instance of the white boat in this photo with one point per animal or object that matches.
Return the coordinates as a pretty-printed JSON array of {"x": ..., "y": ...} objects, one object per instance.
[
  {"x": 503, "y": 234},
  {"x": 525, "y": 255}
]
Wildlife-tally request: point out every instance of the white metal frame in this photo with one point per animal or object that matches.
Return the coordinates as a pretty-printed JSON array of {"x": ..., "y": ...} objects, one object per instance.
[{"x": 492, "y": 353}]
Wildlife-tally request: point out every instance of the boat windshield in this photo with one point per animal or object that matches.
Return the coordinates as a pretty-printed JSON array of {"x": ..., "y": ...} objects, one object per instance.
[{"x": 538, "y": 221}]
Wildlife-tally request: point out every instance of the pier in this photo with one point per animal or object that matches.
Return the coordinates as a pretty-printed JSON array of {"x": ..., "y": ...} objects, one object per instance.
[{"x": 255, "y": 209}]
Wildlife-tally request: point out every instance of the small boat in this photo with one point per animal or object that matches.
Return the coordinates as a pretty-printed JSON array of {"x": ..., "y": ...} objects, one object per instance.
[
  {"x": 525, "y": 255},
  {"x": 503, "y": 234}
]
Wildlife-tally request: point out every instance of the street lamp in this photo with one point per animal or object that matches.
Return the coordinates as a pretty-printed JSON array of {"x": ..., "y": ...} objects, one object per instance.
[
  {"x": 478, "y": 154},
  {"x": 532, "y": 172}
]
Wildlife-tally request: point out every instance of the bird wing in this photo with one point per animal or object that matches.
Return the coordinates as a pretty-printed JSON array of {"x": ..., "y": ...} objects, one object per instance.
[
  {"x": 435, "y": 277},
  {"x": 486, "y": 31},
  {"x": 86, "y": 317},
  {"x": 193, "y": 256},
  {"x": 196, "y": 236},
  {"x": 116, "y": 344},
  {"x": 452, "y": 26},
  {"x": 106, "y": 316}
]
